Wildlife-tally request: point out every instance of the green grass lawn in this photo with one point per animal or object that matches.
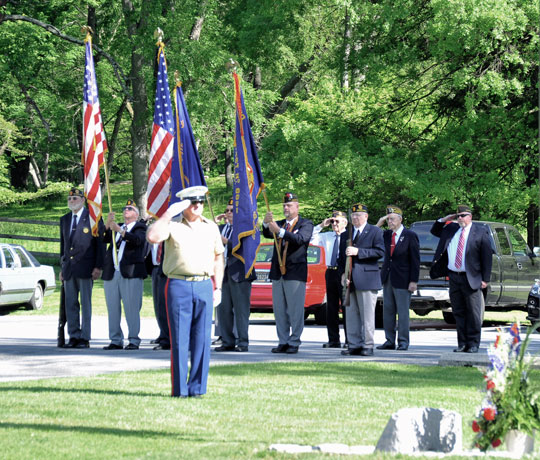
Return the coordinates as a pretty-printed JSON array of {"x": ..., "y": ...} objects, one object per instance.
[{"x": 247, "y": 408}]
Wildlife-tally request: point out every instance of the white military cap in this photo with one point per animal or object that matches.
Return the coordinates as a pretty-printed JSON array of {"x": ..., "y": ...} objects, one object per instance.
[{"x": 196, "y": 193}]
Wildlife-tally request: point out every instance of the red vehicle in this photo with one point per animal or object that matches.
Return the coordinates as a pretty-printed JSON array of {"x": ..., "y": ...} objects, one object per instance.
[{"x": 261, "y": 291}]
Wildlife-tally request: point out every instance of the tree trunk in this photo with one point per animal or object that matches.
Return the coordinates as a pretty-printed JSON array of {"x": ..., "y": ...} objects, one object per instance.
[
  {"x": 346, "y": 51},
  {"x": 257, "y": 80}
]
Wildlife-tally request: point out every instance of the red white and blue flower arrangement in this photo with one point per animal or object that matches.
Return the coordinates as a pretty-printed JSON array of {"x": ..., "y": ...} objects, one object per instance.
[{"x": 511, "y": 401}]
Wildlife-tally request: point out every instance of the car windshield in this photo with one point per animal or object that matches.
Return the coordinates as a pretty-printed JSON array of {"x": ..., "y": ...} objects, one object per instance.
[{"x": 428, "y": 242}]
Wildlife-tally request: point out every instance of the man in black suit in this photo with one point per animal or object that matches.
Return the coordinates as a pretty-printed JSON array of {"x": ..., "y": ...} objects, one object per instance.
[
  {"x": 82, "y": 261},
  {"x": 123, "y": 277},
  {"x": 235, "y": 298},
  {"x": 366, "y": 250},
  {"x": 464, "y": 254},
  {"x": 288, "y": 272},
  {"x": 399, "y": 276}
]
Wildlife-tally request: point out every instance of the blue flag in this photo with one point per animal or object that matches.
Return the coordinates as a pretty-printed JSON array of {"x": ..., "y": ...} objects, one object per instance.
[
  {"x": 186, "y": 168},
  {"x": 248, "y": 182}
]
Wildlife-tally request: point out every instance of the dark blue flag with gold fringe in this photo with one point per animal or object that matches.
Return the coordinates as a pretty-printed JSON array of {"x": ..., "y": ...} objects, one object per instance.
[
  {"x": 186, "y": 170},
  {"x": 248, "y": 183}
]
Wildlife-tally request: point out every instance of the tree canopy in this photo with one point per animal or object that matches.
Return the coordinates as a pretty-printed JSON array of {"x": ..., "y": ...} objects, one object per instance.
[{"x": 421, "y": 103}]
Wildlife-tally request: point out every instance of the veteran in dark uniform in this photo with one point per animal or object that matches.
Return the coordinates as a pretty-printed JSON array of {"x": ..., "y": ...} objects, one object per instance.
[
  {"x": 123, "y": 278},
  {"x": 289, "y": 279},
  {"x": 331, "y": 242},
  {"x": 235, "y": 304},
  {"x": 399, "y": 276},
  {"x": 465, "y": 255},
  {"x": 81, "y": 261},
  {"x": 193, "y": 254},
  {"x": 366, "y": 250}
]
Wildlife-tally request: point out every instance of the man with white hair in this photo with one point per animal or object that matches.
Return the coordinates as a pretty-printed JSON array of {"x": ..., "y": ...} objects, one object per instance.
[
  {"x": 193, "y": 254},
  {"x": 399, "y": 276},
  {"x": 123, "y": 276}
]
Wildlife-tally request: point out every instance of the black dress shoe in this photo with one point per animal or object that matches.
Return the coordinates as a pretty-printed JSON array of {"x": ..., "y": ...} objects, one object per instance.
[
  {"x": 366, "y": 352},
  {"x": 292, "y": 350},
  {"x": 281, "y": 348},
  {"x": 332, "y": 345},
  {"x": 402, "y": 348},
  {"x": 461, "y": 349},
  {"x": 472, "y": 349},
  {"x": 387, "y": 346},
  {"x": 241, "y": 348},
  {"x": 162, "y": 346},
  {"x": 224, "y": 348},
  {"x": 131, "y": 346},
  {"x": 154, "y": 341},
  {"x": 113, "y": 346},
  {"x": 351, "y": 352},
  {"x": 71, "y": 344},
  {"x": 83, "y": 344}
]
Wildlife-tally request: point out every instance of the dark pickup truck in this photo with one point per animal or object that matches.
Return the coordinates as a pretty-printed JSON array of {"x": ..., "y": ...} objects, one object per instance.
[{"x": 515, "y": 268}]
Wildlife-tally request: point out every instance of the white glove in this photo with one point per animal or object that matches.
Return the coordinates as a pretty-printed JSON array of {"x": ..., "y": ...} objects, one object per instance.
[
  {"x": 178, "y": 207},
  {"x": 217, "y": 297}
]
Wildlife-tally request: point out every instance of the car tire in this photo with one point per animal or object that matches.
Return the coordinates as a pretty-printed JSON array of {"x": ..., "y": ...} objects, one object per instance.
[
  {"x": 449, "y": 317},
  {"x": 320, "y": 315},
  {"x": 36, "y": 302}
]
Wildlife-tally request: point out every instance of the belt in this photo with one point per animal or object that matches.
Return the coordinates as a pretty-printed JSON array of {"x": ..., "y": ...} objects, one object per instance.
[
  {"x": 192, "y": 278},
  {"x": 331, "y": 268},
  {"x": 458, "y": 273}
]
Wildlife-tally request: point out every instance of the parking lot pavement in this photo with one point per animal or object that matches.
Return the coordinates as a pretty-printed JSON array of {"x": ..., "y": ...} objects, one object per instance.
[{"x": 28, "y": 349}]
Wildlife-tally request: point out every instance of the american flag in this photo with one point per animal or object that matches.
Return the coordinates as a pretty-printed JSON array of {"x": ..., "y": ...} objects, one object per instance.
[
  {"x": 162, "y": 143},
  {"x": 94, "y": 142}
]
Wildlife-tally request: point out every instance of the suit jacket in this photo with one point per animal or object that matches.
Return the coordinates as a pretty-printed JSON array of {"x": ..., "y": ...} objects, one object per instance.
[
  {"x": 235, "y": 268},
  {"x": 298, "y": 242},
  {"x": 85, "y": 252},
  {"x": 365, "y": 265},
  {"x": 132, "y": 264},
  {"x": 478, "y": 253},
  {"x": 403, "y": 266}
]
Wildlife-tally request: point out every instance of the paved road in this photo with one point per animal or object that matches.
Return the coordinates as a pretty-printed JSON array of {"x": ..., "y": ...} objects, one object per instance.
[{"x": 28, "y": 349}]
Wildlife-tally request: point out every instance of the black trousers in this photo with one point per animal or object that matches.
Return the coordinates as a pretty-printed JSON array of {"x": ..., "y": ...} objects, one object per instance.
[
  {"x": 468, "y": 308},
  {"x": 333, "y": 302}
]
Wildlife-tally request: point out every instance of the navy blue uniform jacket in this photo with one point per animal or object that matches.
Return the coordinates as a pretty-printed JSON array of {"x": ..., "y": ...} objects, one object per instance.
[
  {"x": 478, "y": 253},
  {"x": 132, "y": 264},
  {"x": 365, "y": 265},
  {"x": 403, "y": 266},
  {"x": 85, "y": 252},
  {"x": 296, "y": 261}
]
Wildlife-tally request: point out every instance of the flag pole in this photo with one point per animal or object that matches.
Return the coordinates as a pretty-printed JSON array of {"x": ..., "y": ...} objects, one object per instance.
[
  {"x": 275, "y": 236},
  {"x": 88, "y": 31}
]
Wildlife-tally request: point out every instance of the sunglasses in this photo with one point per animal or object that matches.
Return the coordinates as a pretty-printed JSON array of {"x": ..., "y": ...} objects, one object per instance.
[
  {"x": 128, "y": 208},
  {"x": 462, "y": 215},
  {"x": 197, "y": 202},
  {"x": 73, "y": 198},
  {"x": 228, "y": 210}
]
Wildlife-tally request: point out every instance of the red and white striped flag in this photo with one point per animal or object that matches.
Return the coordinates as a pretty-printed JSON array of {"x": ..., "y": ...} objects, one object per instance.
[
  {"x": 94, "y": 142},
  {"x": 161, "y": 148}
]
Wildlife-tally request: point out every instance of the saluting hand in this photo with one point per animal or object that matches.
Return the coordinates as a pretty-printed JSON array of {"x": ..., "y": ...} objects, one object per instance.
[
  {"x": 449, "y": 217},
  {"x": 177, "y": 208}
]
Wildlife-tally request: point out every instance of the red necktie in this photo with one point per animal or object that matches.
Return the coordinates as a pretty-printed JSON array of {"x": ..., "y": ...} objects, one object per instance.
[
  {"x": 159, "y": 253},
  {"x": 393, "y": 245},
  {"x": 459, "y": 252}
]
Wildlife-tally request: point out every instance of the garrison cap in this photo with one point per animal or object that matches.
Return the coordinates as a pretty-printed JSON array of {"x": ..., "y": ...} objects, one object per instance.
[
  {"x": 359, "y": 207},
  {"x": 289, "y": 197},
  {"x": 76, "y": 192},
  {"x": 195, "y": 193},
  {"x": 391, "y": 209},
  {"x": 132, "y": 203},
  {"x": 463, "y": 208},
  {"x": 339, "y": 214}
]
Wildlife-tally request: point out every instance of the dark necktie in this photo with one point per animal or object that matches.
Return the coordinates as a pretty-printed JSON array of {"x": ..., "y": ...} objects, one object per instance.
[
  {"x": 393, "y": 245},
  {"x": 159, "y": 253},
  {"x": 73, "y": 227},
  {"x": 333, "y": 259},
  {"x": 228, "y": 231}
]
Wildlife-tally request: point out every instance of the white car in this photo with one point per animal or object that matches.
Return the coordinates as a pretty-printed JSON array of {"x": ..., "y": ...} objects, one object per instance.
[{"x": 23, "y": 280}]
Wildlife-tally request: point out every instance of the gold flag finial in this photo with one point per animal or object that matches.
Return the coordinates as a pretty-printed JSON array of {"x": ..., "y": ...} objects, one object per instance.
[
  {"x": 158, "y": 34},
  {"x": 231, "y": 65},
  {"x": 87, "y": 31}
]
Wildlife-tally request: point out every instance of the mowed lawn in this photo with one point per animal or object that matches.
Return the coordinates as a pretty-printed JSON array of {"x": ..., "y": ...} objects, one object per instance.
[{"x": 248, "y": 407}]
